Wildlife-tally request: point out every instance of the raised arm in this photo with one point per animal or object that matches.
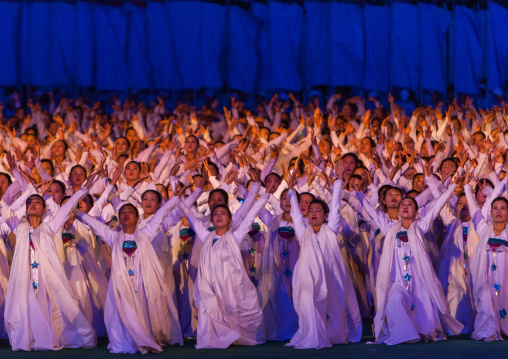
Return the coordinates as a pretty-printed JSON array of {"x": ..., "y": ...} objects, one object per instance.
[
  {"x": 474, "y": 209},
  {"x": 334, "y": 217},
  {"x": 100, "y": 229},
  {"x": 63, "y": 212},
  {"x": 426, "y": 220},
  {"x": 153, "y": 225},
  {"x": 378, "y": 217},
  {"x": 244, "y": 227},
  {"x": 240, "y": 214},
  {"x": 296, "y": 214},
  {"x": 196, "y": 223}
]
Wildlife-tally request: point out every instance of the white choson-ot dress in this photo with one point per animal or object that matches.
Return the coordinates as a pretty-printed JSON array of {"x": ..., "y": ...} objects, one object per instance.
[
  {"x": 140, "y": 314},
  {"x": 227, "y": 302},
  {"x": 323, "y": 294},
  {"x": 42, "y": 311},
  {"x": 411, "y": 305},
  {"x": 489, "y": 269}
]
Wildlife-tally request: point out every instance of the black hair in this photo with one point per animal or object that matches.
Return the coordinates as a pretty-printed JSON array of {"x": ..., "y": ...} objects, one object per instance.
[
  {"x": 7, "y": 177},
  {"x": 499, "y": 199},
  {"x": 222, "y": 192},
  {"x": 222, "y": 206},
  {"x": 60, "y": 184},
  {"x": 372, "y": 142},
  {"x": 412, "y": 200},
  {"x": 65, "y": 143},
  {"x": 412, "y": 191},
  {"x": 126, "y": 140},
  {"x": 273, "y": 174},
  {"x": 463, "y": 194},
  {"x": 49, "y": 162},
  {"x": 78, "y": 167},
  {"x": 65, "y": 198},
  {"x": 451, "y": 159},
  {"x": 307, "y": 193},
  {"x": 322, "y": 203},
  {"x": 90, "y": 198},
  {"x": 351, "y": 154},
  {"x": 157, "y": 193},
  {"x": 164, "y": 187},
  {"x": 135, "y": 162},
  {"x": 129, "y": 205},
  {"x": 301, "y": 165},
  {"x": 197, "y": 139},
  {"x": 36, "y": 196},
  {"x": 286, "y": 190},
  {"x": 414, "y": 177},
  {"x": 479, "y": 133}
]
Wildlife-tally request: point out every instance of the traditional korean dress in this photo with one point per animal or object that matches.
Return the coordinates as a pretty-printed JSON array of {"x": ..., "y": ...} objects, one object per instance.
[
  {"x": 140, "y": 314},
  {"x": 42, "y": 311},
  {"x": 489, "y": 269},
  {"x": 227, "y": 302},
  {"x": 411, "y": 305},
  {"x": 323, "y": 293}
]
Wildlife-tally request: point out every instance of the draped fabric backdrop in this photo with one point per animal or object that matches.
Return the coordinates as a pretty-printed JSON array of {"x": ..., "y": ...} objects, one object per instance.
[{"x": 253, "y": 46}]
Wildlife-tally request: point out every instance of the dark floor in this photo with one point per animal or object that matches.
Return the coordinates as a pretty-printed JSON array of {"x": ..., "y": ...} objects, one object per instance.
[{"x": 455, "y": 347}]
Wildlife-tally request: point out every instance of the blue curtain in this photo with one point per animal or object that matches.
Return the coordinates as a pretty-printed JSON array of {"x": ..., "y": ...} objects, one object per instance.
[
  {"x": 376, "y": 20},
  {"x": 406, "y": 56},
  {"x": 498, "y": 46},
  {"x": 434, "y": 25},
  {"x": 468, "y": 50},
  {"x": 269, "y": 45},
  {"x": 346, "y": 44}
]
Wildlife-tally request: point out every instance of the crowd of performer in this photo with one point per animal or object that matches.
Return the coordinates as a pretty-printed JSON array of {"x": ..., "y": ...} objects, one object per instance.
[{"x": 288, "y": 222}]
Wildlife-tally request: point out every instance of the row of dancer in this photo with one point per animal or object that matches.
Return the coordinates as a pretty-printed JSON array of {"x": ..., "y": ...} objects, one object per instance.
[{"x": 183, "y": 236}]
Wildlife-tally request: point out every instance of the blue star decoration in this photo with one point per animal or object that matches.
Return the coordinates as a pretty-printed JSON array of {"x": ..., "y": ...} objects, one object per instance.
[
  {"x": 214, "y": 240},
  {"x": 252, "y": 269},
  {"x": 131, "y": 272},
  {"x": 502, "y": 313},
  {"x": 406, "y": 258},
  {"x": 287, "y": 272},
  {"x": 186, "y": 256},
  {"x": 497, "y": 286},
  {"x": 252, "y": 250},
  {"x": 412, "y": 306},
  {"x": 35, "y": 285},
  {"x": 136, "y": 291},
  {"x": 494, "y": 267},
  {"x": 34, "y": 265},
  {"x": 407, "y": 277},
  {"x": 327, "y": 316},
  {"x": 285, "y": 254}
]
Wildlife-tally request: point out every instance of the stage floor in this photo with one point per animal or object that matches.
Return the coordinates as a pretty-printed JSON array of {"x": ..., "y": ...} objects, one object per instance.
[{"x": 455, "y": 347}]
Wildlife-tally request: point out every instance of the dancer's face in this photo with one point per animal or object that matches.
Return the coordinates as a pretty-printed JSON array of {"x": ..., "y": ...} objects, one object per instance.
[
  {"x": 499, "y": 212},
  {"x": 304, "y": 202},
  {"x": 285, "y": 204},
  {"x": 392, "y": 198},
  {"x": 407, "y": 209},
  {"x": 317, "y": 214},
  {"x": 221, "y": 218}
]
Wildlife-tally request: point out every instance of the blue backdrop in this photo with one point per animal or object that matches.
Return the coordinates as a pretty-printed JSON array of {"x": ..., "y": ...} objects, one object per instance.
[{"x": 260, "y": 46}]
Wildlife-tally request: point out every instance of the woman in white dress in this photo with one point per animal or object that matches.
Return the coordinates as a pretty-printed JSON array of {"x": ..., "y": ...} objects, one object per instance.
[
  {"x": 323, "y": 293},
  {"x": 139, "y": 307},
  {"x": 411, "y": 305},
  {"x": 42, "y": 312},
  {"x": 227, "y": 302},
  {"x": 489, "y": 269}
]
